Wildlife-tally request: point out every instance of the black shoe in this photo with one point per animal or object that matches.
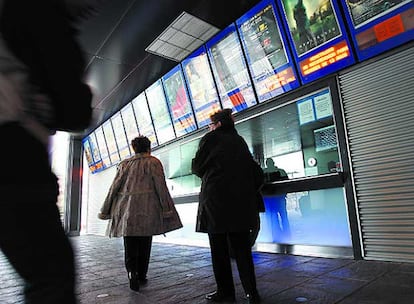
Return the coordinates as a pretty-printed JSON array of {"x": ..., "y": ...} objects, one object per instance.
[
  {"x": 253, "y": 298},
  {"x": 220, "y": 298},
  {"x": 133, "y": 281}
]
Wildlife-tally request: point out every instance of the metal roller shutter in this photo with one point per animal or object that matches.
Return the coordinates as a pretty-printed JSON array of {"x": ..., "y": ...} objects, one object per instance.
[{"x": 378, "y": 102}]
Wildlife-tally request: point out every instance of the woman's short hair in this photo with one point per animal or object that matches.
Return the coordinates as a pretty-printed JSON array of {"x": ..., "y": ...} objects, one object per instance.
[
  {"x": 224, "y": 116},
  {"x": 141, "y": 144}
]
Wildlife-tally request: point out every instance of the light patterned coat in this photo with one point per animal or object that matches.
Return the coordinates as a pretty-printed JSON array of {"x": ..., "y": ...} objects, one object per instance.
[{"x": 138, "y": 202}]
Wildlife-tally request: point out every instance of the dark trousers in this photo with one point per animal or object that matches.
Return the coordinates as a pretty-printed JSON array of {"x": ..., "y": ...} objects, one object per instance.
[
  {"x": 31, "y": 233},
  {"x": 240, "y": 242},
  {"x": 137, "y": 254}
]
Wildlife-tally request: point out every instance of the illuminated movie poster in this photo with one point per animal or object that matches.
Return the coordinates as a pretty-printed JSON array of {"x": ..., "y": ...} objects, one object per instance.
[
  {"x": 178, "y": 102},
  {"x": 230, "y": 70},
  {"x": 131, "y": 127},
  {"x": 143, "y": 116},
  {"x": 201, "y": 87},
  {"x": 103, "y": 149},
  {"x": 379, "y": 25},
  {"x": 92, "y": 154},
  {"x": 159, "y": 112},
  {"x": 269, "y": 61},
  {"x": 318, "y": 37},
  {"x": 312, "y": 23},
  {"x": 120, "y": 136},
  {"x": 111, "y": 142}
]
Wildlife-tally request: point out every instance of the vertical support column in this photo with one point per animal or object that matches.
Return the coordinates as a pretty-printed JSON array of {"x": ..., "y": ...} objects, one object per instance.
[{"x": 73, "y": 202}]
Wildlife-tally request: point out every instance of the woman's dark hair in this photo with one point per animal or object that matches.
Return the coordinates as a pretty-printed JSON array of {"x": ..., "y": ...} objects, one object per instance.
[
  {"x": 224, "y": 116},
  {"x": 141, "y": 144}
]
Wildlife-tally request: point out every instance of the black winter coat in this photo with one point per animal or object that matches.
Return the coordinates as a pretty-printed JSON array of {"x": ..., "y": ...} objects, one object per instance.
[{"x": 230, "y": 183}]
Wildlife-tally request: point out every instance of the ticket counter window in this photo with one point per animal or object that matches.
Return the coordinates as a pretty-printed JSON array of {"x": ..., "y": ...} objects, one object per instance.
[
  {"x": 299, "y": 137},
  {"x": 315, "y": 217}
]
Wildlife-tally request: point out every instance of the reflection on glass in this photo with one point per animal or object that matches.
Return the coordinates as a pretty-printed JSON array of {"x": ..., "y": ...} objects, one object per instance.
[
  {"x": 315, "y": 217},
  {"x": 201, "y": 86},
  {"x": 230, "y": 71},
  {"x": 300, "y": 139},
  {"x": 120, "y": 136},
  {"x": 131, "y": 127},
  {"x": 103, "y": 150},
  {"x": 266, "y": 53},
  {"x": 178, "y": 102},
  {"x": 159, "y": 112},
  {"x": 144, "y": 118}
]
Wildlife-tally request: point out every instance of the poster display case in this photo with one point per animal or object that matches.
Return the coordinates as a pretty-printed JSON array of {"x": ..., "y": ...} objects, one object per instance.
[
  {"x": 159, "y": 112},
  {"x": 318, "y": 37},
  {"x": 269, "y": 60},
  {"x": 178, "y": 102},
  {"x": 230, "y": 70},
  {"x": 143, "y": 116},
  {"x": 201, "y": 86},
  {"x": 379, "y": 25}
]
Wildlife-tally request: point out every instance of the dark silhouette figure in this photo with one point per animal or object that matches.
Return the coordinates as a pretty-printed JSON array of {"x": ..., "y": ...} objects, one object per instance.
[
  {"x": 41, "y": 91},
  {"x": 228, "y": 204}
]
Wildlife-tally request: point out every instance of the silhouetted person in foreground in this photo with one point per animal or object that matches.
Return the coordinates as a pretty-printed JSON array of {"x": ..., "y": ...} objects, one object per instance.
[
  {"x": 228, "y": 207},
  {"x": 41, "y": 91},
  {"x": 139, "y": 206}
]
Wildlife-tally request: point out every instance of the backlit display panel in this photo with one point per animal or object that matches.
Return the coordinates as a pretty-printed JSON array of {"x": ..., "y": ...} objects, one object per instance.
[
  {"x": 144, "y": 120},
  {"x": 130, "y": 124},
  {"x": 269, "y": 60},
  {"x": 317, "y": 36},
  {"x": 178, "y": 102},
  {"x": 93, "y": 158},
  {"x": 120, "y": 136},
  {"x": 159, "y": 112},
  {"x": 110, "y": 142},
  {"x": 103, "y": 149},
  {"x": 378, "y": 25},
  {"x": 201, "y": 87},
  {"x": 230, "y": 70}
]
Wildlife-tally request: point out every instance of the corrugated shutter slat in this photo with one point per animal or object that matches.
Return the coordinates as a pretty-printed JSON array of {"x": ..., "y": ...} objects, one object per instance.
[{"x": 378, "y": 102}]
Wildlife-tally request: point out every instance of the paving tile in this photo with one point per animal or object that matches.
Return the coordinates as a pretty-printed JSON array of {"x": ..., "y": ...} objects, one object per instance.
[{"x": 181, "y": 274}]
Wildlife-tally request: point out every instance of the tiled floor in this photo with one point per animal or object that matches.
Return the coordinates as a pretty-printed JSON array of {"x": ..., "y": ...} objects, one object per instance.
[{"x": 183, "y": 274}]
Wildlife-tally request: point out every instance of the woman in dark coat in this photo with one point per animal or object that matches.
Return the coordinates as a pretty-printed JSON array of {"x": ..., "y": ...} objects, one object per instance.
[{"x": 228, "y": 206}]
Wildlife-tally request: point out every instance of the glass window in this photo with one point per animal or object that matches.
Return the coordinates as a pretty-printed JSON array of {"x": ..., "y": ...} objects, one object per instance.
[
  {"x": 299, "y": 137},
  {"x": 317, "y": 217}
]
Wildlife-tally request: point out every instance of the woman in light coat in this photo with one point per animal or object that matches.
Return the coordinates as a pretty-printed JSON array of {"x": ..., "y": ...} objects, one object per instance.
[{"x": 139, "y": 206}]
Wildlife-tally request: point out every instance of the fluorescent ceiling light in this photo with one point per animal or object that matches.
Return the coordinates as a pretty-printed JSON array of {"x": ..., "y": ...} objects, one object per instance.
[{"x": 183, "y": 36}]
